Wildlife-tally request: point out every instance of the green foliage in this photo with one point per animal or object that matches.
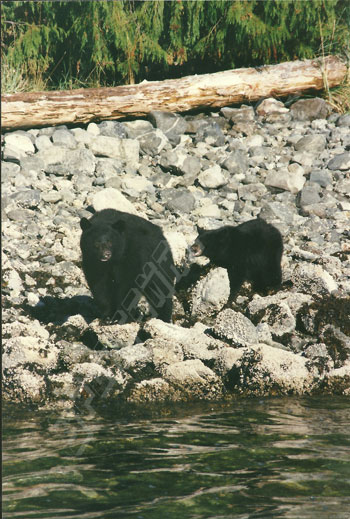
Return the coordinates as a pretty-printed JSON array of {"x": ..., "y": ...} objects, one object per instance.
[{"x": 92, "y": 43}]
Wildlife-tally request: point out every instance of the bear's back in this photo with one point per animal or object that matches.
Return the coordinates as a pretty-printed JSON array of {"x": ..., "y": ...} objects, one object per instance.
[
  {"x": 133, "y": 222},
  {"x": 258, "y": 235}
]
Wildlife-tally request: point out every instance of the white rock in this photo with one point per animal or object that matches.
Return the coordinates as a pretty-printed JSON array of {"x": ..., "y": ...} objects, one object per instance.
[
  {"x": 52, "y": 155},
  {"x": 271, "y": 105},
  {"x": 23, "y": 350},
  {"x": 178, "y": 245},
  {"x": 83, "y": 136},
  {"x": 135, "y": 357},
  {"x": 208, "y": 211},
  {"x": 137, "y": 185},
  {"x": 211, "y": 293},
  {"x": 43, "y": 142},
  {"x": 254, "y": 140},
  {"x": 235, "y": 328},
  {"x": 286, "y": 180},
  {"x": 262, "y": 368},
  {"x": 111, "y": 198},
  {"x": 212, "y": 178},
  {"x": 21, "y": 142},
  {"x": 14, "y": 282},
  {"x": 313, "y": 279},
  {"x": 189, "y": 372},
  {"x": 93, "y": 129},
  {"x": 136, "y": 128},
  {"x": 125, "y": 149},
  {"x": 194, "y": 342}
]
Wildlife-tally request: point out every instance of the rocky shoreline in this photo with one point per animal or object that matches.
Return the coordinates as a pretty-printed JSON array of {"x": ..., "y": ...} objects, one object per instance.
[{"x": 288, "y": 164}]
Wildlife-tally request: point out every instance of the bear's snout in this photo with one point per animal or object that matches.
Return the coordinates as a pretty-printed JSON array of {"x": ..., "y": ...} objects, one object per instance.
[
  {"x": 106, "y": 255},
  {"x": 196, "y": 249},
  {"x": 105, "y": 251}
]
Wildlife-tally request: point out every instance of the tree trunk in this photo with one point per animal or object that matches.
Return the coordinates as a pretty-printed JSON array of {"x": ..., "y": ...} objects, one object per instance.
[{"x": 35, "y": 109}]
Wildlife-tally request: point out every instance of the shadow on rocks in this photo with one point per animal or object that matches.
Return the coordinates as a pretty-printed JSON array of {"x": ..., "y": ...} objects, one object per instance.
[{"x": 57, "y": 310}]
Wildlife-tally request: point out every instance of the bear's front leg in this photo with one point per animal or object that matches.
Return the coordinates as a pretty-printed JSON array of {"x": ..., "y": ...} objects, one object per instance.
[
  {"x": 236, "y": 278},
  {"x": 102, "y": 289}
]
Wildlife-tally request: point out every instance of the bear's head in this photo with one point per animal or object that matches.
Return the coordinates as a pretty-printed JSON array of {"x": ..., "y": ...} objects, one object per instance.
[
  {"x": 212, "y": 244},
  {"x": 105, "y": 242}
]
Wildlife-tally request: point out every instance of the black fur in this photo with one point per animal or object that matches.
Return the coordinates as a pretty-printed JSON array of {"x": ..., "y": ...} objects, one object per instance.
[
  {"x": 123, "y": 257},
  {"x": 250, "y": 251}
]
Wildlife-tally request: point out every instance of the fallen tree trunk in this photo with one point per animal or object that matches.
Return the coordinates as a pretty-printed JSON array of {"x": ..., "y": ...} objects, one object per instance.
[{"x": 35, "y": 109}]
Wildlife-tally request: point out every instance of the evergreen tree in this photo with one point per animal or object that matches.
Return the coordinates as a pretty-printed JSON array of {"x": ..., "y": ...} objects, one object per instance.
[{"x": 92, "y": 43}]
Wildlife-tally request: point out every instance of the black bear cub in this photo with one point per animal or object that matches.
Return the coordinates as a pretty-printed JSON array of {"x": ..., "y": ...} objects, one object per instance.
[
  {"x": 250, "y": 251},
  {"x": 125, "y": 257}
]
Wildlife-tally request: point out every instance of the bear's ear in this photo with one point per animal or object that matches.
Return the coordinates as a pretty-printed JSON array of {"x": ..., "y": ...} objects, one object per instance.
[
  {"x": 200, "y": 230},
  {"x": 119, "y": 226},
  {"x": 85, "y": 224}
]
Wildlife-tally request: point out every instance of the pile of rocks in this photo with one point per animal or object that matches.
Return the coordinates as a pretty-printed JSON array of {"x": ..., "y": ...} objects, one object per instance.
[{"x": 290, "y": 165}]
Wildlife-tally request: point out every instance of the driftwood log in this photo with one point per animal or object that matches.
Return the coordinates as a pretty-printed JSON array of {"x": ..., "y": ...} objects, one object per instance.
[{"x": 35, "y": 109}]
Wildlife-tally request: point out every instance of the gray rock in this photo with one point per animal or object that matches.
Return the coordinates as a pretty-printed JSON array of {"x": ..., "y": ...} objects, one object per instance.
[
  {"x": 196, "y": 123},
  {"x": 210, "y": 133},
  {"x": 112, "y": 129},
  {"x": 341, "y": 161},
  {"x": 275, "y": 211},
  {"x": 133, "y": 359},
  {"x": 238, "y": 115},
  {"x": 313, "y": 143},
  {"x": 108, "y": 168},
  {"x": 195, "y": 379},
  {"x": 153, "y": 142},
  {"x": 322, "y": 177},
  {"x": 343, "y": 186},
  {"x": 47, "y": 192},
  {"x": 31, "y": 165},
  {"x": 52, "y": 197},
  {"x": 178, "y": 200},
  {"x": 180, "y": 163},
  {"x": 20, "y": 215},
  {"x": 310, "y": 109},
  {"x": 172, "y": 125},
  {"x": 338, "y": 344},
  {"x": 9, "y": 170},
  {"x": 316, "y": 351},
  {"x": 82, "y": 136},
  {"x": 64, "y": 138},
  {"x": 73, "y": 162},
  {"x": 343, "y": 121},
  {"x": 252, "y": 191},
  {"x": 27, "y": 198},
  {"x": 310, "y": 194},
  {"x": 236, "y": 162}
]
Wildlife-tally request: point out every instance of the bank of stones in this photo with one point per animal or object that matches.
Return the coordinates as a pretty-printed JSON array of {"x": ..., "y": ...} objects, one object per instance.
[{"x": 290, "y": 165}]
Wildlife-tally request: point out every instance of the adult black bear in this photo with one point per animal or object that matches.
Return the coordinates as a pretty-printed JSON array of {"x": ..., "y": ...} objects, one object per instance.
[
  {"x": 250, "y": 251},
  {"x": 125, "y": 257}
]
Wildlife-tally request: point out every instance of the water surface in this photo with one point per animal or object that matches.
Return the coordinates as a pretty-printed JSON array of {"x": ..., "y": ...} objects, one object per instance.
[{"x": 251, "y": 458}]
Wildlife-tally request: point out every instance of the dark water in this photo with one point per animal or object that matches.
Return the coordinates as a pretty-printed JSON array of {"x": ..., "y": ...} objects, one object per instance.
[{"x": 251, "y": 458}]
